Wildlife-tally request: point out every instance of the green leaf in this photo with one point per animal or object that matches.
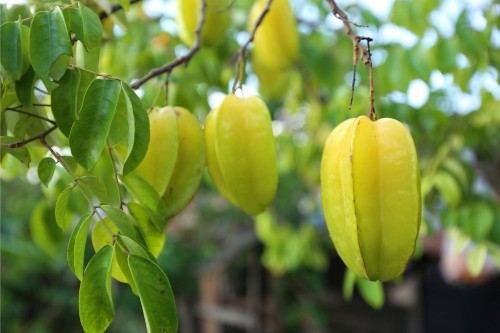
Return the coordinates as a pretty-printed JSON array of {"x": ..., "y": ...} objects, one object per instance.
[
  {"x": 476, "y": 259},
  {"x": 122, "y": 261},
  {"x": 95, "y": 300},
  {"x": 44, "y": 231},
  {"x": 86, "y": 79},
  {"x": 121, "y": 134},
  {"x": 95, "y": 186},
  {"x": 448, "y": 187},
  {"x": 20, "y": 153},
  {"x": 89, "y": 133},
  {"x": 154, "y": 238},
  {"x": 62, "y": 219},
  {"x": 147, "y": 196},
  {"x": 101, "y": 233},
  {"x": 479, "y": 222},
  {"x": 92, "y": 26},
  {"x": 457, "y": 170},
  {"x": 121, "y": 220},
  {"x": 50, "y": 46},
  {"x": 348, "y": 285},
  {"x": 64, "y": 100},
  {"x": 76, "y": 246},
  {"x": 87, "y": 58},
  {"x": 11, "y": 51},
  {"x": 157, "y": 298},
  {"x": 46, "y": 169},
  {"x": 25, "y": 88},
  {"x": 141, "y": 131},
  {"x": 372, "y": 292},
  {"x": 70, "y": 163}
]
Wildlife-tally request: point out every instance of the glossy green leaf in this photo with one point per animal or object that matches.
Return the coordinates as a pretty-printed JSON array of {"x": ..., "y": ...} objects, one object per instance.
[
  {"x": 44, "y": 231},
  {"x": 25, "y": 88},
  {"x": 105, "y": 172},
  {"x": 62, "y": 218},
  {"x": 122, "y": 262},
  {"x": 11, "y": 51},
  {"x": 92, "y": 27},
  {"x": 86, "y": 79},
  {"x": 64, "y": 98},
  {"x": 121, "y": 220},
  {"x": 476, "y": 259},
  {"x": 372, "y": 292},
  {"x": 95, "y": 186},
  {"x": 87, "y": 58},
  {"x": 147, "y": 196},
  {"x": 101, "y": 233},
  {"x": 157, "y": 298},
  {"x": 89, "y": 133},
  {"x": 50, "y": 46},
  {"x": 76, "y": 246},
  {"x": 121, "y": 134},
  {"x": 46, "y": 169},
  {"x": 154, "y": 238},
  {"x": 20, "y": 153},
  {"x": 141, "y": 137},
  {"x": 95, "y": 300}
]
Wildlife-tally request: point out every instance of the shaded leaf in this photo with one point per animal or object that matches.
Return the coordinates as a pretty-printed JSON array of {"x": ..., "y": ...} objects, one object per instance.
[
  {"x": 20, "y": 153},
  {"x": 154, "y": 238},
  {"x": 50, "y": 46},
  {"x": 157, "y": 298},
  {"x": 64, "y": 100},
  {"x": 89, "y": 133},
  {"x": 141, "y": 137},
  {"x": 147, "y": 196},
  {"x": 95, "y": 186},
  {"x": 92, "y": 27},
  {"x": 95, "y": 301},
  {"x": 76, "y": 246},
  {"x": 11, "y": 50},
  {"x": 46, "y": 169},
  {"x": 25, "y": 87},
  {"x": 121, "y": 220},
  {"x": 348, "y": 285},
  {"x": 62, "y": 219}
]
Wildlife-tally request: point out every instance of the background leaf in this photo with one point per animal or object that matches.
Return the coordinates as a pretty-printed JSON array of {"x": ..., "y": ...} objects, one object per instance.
[
  {"x": 20, "y": 153},
  {"x": 62, "y": 219}
]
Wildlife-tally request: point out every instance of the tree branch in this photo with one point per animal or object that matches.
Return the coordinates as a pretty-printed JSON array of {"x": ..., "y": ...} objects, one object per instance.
[
  {"x": 24, "y": 142},
  {"x": 242, "y": 51},
  {"x": 16, "y": 109},
  {"x": 167, "y": 68},
  {"x": 114, "y": 8},
  {"x": 357, "y": 48}
]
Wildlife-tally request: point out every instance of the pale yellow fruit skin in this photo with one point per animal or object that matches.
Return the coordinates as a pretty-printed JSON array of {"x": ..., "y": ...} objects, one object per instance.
[
  {"x": 370, "y": 188},
  {"x": 158, "y": 164},
  {"x": 241, "y": 152},
  {"x": 217, "y": 18},
  {"x": 190, "y": 164},
  {"x": 276, "y": 41}
]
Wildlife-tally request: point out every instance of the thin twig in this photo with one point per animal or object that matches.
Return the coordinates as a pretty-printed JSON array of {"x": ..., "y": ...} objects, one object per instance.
[
  {"x": 243, "y": 49},
  {"x": 16, "y": 109},
  {"x": 357, "y": 48},
  {"x": 184, "y": 59}
]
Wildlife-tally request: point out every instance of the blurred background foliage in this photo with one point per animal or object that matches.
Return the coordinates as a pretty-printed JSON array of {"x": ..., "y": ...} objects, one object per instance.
[{"x": 436, "y": 68}]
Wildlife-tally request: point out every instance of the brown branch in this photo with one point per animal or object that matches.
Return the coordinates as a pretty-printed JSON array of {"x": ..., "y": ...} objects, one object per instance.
[
  {"x": 357, "y": 48},
  {"x": 41, "y": 136},
  {"x": 242, "y": 51},
  {"x": 184, "y": 59}
]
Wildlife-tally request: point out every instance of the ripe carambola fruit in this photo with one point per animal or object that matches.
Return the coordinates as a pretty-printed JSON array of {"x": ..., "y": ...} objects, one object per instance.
[
  {"x": 370, "y": 189},
  {"x": 175, "y": 161},
  {"x": 241, "y": 152},
  {"x": 276, "y": 41},
  {"x": 217, "y": 18}
]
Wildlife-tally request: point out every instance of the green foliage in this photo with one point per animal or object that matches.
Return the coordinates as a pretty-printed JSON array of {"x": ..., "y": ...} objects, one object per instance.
[{"x": 67, "y": 72}]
